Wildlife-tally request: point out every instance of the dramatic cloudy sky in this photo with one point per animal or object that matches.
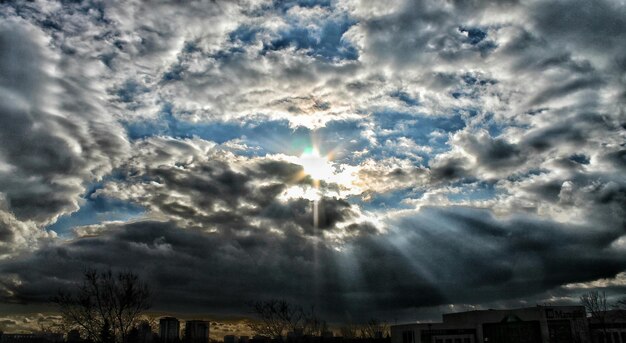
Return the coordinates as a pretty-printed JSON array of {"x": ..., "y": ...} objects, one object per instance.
[{"x": 373, "y": 158}]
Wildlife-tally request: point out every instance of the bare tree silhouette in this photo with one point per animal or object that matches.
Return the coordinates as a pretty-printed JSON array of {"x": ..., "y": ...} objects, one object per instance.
[
  {"x": 374, "y": 328},
  {"x": 277, "y": 317},
  {"x": 595, "y": 304},
  {"x": 349, "y": 331},
  {"x": 105, "y": 306},
  {"x": 620, "y": 306},
  {"x": 314, "y": 325}
]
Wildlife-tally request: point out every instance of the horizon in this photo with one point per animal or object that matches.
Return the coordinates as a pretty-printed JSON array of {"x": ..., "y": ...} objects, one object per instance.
[{"x": 223, "y": 326}]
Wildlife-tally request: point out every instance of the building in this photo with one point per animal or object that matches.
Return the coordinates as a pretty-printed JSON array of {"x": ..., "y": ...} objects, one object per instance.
[
  {"x": 540, "y": 324},
  {"x": 235, "y": 339},
  {"x": 142, "y": 333},
  {"x": 145, "y": 332},
  {"x": 230, "y": 339},
  {"x": 73, "y": 336},
  {"x": 613, "y": 330},
  {"x": 260, "y": 339},
  {"x": 169, "y": 330},
  {"x": 196, "y": 331}
]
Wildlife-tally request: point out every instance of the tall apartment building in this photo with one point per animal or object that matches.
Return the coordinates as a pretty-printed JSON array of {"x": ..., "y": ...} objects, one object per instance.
[
  {"x": 196, "y": 331},
  {"x": 169, "y": 330}
]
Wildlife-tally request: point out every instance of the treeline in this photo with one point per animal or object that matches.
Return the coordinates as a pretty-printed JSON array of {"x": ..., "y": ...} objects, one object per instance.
[
  {"x": 105, "y": 307},
  {"x": 277, "y": 318},
  {"x": 108, "y": 307}
]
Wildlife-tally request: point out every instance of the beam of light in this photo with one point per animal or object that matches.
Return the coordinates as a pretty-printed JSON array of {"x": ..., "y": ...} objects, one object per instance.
[
  {"x": 316, "y": 221},
  {"x": 319, "y": 169},
  {"x": 317, "y": 165}
]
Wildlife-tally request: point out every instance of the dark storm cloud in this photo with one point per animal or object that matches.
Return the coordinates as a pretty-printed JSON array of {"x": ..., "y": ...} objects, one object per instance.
[
  {"x": 188, "y": 269},
  {"x": 429, "y": 258},
  {"x": 508, "y": 259},
  {"x": 6, "y": 234}
]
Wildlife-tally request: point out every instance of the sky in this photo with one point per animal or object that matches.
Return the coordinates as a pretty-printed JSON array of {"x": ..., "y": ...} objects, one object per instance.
[{"x": 374, "y": 159}]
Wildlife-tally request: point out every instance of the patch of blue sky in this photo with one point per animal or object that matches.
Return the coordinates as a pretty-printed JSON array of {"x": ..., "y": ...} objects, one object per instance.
[
  {"x": 468, "y": 92},
  {"x": 324, "y": 42},
  {"x": 191, "y": 47},
  {"x": 457, "y": 94},
  {"x": 471, "y": 86},
  {"x": 168, "y": 124},
  {"x": 244, "y": 34},
  {"x": 427, "y": 131},
  {"x": 474, "y": 80},
  {"x": 339, "y": 137},
  {"x": 475, "y": 35},
  {"x": 405, "y": 98},
  {"x": 418, "y": 128},
  {"x": 275, "y": 136},
  {"x": 345, "y": 136},
  {"x": 129, "y": 90},
  {"x": 389, "y": 200},
  {"x": 580, "y": 158},
  {"x": 466, "y": 112},
  {"x": 494, "y": 127},
  {"x": 95, "y": 210},
  {"x": 174, "y": 73}
]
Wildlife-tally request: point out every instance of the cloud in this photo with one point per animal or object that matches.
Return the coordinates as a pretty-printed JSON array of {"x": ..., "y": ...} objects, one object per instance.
[
  {"x": 206, "y": 187},
  {"x": 51, "y": 144},
  {"x": 428, "y": 258}
]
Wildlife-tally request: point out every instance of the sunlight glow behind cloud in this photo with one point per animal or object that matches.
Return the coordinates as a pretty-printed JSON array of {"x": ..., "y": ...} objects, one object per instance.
[{"x": 318, "y": 167}]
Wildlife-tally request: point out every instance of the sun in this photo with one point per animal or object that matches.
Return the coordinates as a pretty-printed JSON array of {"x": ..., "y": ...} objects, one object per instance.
[{"x": 316, "y": 166}]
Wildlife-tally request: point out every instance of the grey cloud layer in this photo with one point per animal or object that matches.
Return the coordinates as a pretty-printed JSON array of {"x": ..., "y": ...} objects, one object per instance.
[
  {"x": 433, "y": 257},
  {"x": 54, "y": 135},
  {"x": 208, "y": 188}
]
